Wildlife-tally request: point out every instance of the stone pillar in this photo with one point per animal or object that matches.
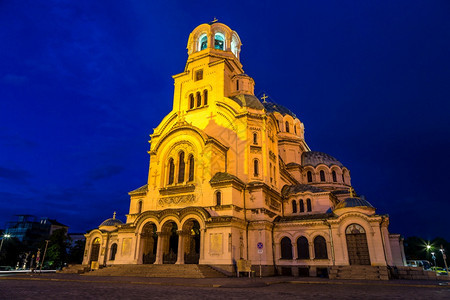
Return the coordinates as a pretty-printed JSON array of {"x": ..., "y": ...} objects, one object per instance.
[
  {"x": 202, "y": 244},
  {"x": 294, "y": 251},
  {"x": 311, "y": 251},
  {"x": 181, "y": 241},
  {"x": 159, "y": 248}
]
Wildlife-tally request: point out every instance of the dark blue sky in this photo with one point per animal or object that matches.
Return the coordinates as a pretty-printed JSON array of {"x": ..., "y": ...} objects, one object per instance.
[{"x": 83, "y": 84}]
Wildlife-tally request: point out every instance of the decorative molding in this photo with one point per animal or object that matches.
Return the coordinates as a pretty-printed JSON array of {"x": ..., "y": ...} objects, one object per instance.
[
  {"x": 175, "y": 200},
  {"x": 176, "y": 189}
]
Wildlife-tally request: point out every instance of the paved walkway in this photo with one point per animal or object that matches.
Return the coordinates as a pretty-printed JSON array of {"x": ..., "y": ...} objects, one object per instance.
[{"x": 70, "y": 286}]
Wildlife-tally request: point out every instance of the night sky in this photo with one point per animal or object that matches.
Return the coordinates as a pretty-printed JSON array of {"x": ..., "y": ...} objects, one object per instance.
[{"x": 83, "y": 84}]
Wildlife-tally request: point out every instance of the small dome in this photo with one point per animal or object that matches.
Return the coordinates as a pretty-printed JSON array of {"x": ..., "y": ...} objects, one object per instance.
[
  {"x": 353, "y": 202},
  {"x": 274, "y": 107},
  {"x": 111, "y": 222},
  {"x": 315, "y": 158}
]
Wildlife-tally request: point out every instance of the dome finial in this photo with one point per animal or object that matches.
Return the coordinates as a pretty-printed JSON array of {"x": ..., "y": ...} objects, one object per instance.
[
  {"x": 264, "y": 97},
  {"x": 352, "y": 192},
  {"x": 114, "y": 215}
]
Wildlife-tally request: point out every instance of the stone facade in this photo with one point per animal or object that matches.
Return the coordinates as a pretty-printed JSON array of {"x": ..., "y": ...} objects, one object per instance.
[{"x": 228, "y": 171}]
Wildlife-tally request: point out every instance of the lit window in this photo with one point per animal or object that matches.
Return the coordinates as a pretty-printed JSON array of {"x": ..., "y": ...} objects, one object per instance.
[
  {"x": 203, "y": 42},
  {"x": 234, "y": 48},
  {"x": 219, "y": 41}
]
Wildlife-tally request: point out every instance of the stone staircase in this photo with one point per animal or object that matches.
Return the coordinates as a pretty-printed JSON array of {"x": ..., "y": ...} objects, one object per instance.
[
  {"x": 74, "y": 269},
  {"x": 173, "y": 271},
  {"x": 359, "y": 272}
]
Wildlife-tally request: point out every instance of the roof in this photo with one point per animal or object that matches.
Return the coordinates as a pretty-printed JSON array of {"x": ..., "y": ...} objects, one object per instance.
[
  {"x": 245, "y": 100},
  {"x": 54, "y": 222},
  {"x": 353, "y": 202},
  {"x": 223, "y": 177},
  {"x": 140, "y": 190},
  {"x": 275, "y": 107},
  {"x": 111, "y": 222},
  {"x": 315, "y": 158},
  {"x": 300, "y": 188}
]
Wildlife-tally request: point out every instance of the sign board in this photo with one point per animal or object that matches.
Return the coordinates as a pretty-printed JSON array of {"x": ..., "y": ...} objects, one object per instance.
[
  {"x": 260, "y": 251},
  {"x": 260, "y": 245}
]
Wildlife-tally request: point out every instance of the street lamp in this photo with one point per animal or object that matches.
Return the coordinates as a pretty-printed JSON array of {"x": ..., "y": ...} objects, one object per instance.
[
  {"x": 5, "y": 236},
  {"x": 444, "y": 257},
  {"x": 434, "y": 258}
]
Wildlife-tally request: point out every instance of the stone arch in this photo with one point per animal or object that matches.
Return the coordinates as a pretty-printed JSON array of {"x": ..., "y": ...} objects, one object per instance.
[
  {"x": 169, "y": 240},
  {"x": 94, "y": 254},
  {"x": 357, "y": 247},
  {"x": 190, "y": 241},
  {"x": 148, "y": 242},
  {"x": 286, "y": 248}
]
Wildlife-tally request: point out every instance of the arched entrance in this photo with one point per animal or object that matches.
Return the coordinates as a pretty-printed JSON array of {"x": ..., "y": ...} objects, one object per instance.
[
  {"x": 170, "y": 249},
  {"x": 358, "y": 251},
  {"x": 191, "y": 228},
  {"x": 95, "y": 250},
  {"x": 149, "y": 240}
]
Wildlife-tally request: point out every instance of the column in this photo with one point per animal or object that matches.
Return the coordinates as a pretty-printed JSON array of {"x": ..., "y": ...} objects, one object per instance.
[
  {"x": 159, "y": 248},
  {"x": 294, "y": 251},
  {"x": 202, "y": 244},
  {"x": 181, "y": 240}
]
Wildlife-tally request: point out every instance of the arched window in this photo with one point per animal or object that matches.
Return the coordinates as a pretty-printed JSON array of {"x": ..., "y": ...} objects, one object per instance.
[
  {"x": 322, "y": 175},
  {"x": 255, "y": 167},
  {"x": 275, "y": 174},
  {"x": 203, "y": 42},
  {"x": 139, "y": 206},
  {"x": 287, "y": 126},
  {"x": 333, "y": 174},
  {"x": 199, "y": 99},
  {"x": 302, "y": 248},
  {"x": 301, "y": 205},
  {"x": 234, "y": 48},
  {"x": 320, "y": 248},
  {"x": 191, "y": 101},
  {"x": 113, "y": 251},
  {"x": 171, "y": 171},
  {"x": 255, "y": 138},
  {"x": 308, "y": 204},
  {"x": 294, "y": 206},
  {"x": 218, "y": 198},
  {"x": 295, "y": 129},
  {"x": 309, "y": 175},
  {"x": 286, "y": 248},
  {"x": 205, "y": 97},
  {"x": 237, "y": 85},
  {"x": 219, "y": 41},
  {"x": 191, "y": 168},
  {"x": 181, "y": 167}
]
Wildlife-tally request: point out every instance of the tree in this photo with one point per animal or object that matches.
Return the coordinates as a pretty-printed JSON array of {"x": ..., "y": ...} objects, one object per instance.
[
  {"x": 58, "y": 244},
  {"x": 76, "y": 252}
]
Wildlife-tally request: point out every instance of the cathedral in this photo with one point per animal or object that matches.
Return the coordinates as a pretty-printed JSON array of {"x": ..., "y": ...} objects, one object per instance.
[{"x": 231, "y": 178}]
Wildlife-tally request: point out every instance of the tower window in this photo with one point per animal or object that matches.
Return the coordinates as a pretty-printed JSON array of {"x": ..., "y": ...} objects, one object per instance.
[
  {"x": 203, "y": 42},
  {"x": 309, "y": 176},
  {"x": 287, "y": 126},
  {"x": 218, "y": 198},
  {"x": 333, "y": 174},
  {"x": 255, "y": 138},
  {"x": 295, "y": 129},
  {"x": 191, "y": 101},
  {"x": 199, "y": 75},
  {"x": 308, "y": 205},
  {"x": 234, "y": 47},
  {"x": 255, "y": 167},
  {"x": 270, "y": 170},
  {"x": 301, "y": 205},
  {"x": 237, "y": 85},
  {"x": 322, "y": 175},
  {"x": 219, "y": 41},
  {"x": 294, "y": 206},
  {"x": 191, "y": 168},
  {"x": 171, "y": 171},
  {"x": 181, "y": 167},
  {"x": 139, "y": 206},
  {"x": 199, "y": 99},
  {"x": 205, "y": 97}
]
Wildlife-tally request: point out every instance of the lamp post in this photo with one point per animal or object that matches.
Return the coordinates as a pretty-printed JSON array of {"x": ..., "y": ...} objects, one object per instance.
[
  {"x": 5, "y": 236},
  {"x": 434, "y": 258}
]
